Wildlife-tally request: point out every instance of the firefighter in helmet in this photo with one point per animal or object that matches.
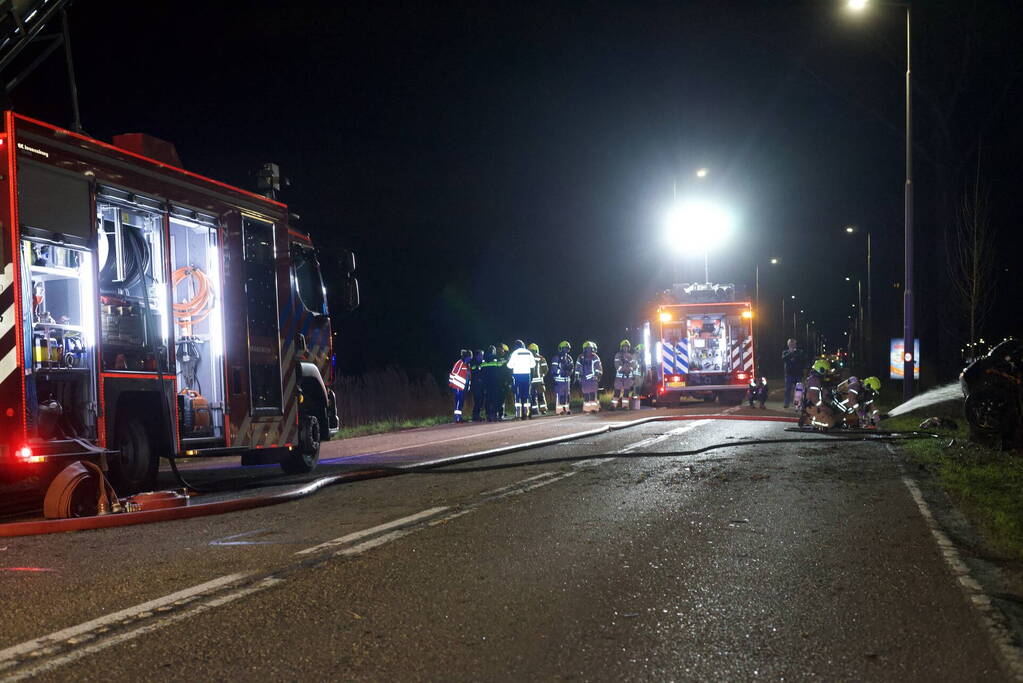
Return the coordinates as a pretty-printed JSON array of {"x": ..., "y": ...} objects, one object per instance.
[
  {"x": 817, "y": 396},
  {"x": 625, "y": 370},
  {"x": 870, "y": 415},
  {"x": 589, "y": 370},
  {"x": 562, "y": 368},
  {"x": 537, "y": 395},
  {"x": 521, "y": 363}
]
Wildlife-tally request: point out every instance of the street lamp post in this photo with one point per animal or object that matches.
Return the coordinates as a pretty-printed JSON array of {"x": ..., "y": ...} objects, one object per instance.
[
  {"x": 908, "y": 331},
  {"x": 866, "y": 316}
]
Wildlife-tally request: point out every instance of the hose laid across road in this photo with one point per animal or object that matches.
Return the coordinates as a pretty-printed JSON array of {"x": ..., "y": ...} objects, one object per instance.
[{"x": 51, "y": 526}]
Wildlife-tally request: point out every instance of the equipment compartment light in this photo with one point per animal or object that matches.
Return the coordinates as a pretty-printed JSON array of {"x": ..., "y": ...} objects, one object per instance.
[
  {"x": 747, "y": 314},
  {"x": 665, "y": 317}
]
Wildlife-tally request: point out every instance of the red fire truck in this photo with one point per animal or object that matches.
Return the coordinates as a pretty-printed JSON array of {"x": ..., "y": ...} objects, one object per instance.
[
  {"x": 148, "y": 311},
  {"x": 700, "y": 337}
]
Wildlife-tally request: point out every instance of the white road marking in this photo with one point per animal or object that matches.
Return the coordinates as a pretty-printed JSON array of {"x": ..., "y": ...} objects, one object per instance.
[
  {"x": 355, "y": 536},
  {"x": 994, "y": 622},
  {"x": 434, "y": 443},
  {"x": 650, "y": 441},
  {"x": 7, "y": 655},
  {"x": 92, "y": 648},
  {"x": 493, "y": 492}
]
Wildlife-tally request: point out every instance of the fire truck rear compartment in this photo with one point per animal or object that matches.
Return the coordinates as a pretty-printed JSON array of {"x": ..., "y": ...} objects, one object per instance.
[
  {"x": 59, "y": 321},
  {"x": 199, "y": 335}
]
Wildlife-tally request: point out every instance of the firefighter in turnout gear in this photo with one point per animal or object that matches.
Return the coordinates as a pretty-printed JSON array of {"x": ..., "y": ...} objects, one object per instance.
[
  {"x": 478, "y": 387},
  {"x": 870, "y": 416},
  {"x": 459, "y": 380},
  {"x": 625, "y": 371},
  {"x": 589, "y": 370},
  {"x": 639, "y": 378},
  {"x": 537, "y": 394},
  {"x": 521, "y": 363},
  {"x": 562, "y": 368},
  {"x": 817, "y": 410}
]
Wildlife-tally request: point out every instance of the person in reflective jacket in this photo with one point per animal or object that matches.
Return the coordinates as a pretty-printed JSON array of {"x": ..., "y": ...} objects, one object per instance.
[
  {"x": 537, "y": 394},
  {"x": 478, "y": 387},
  {"x": 562, "y": 368},
  {"x": 625, "y": 371},
  {"x": 639, "y": 377},
  {"x": 870, "y": 415},
  {"x": 521, "y": 362},
  {"x": 589, "y": 370},
  {"x": 459, "y": 379}
]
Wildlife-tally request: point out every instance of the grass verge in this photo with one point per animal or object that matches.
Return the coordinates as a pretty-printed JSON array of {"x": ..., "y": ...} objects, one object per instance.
[
  {"x": 985, "y": 484},
  {"x": 391, "y": 425}
]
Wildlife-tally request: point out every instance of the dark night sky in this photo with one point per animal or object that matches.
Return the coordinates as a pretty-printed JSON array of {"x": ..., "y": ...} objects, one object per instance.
[{"x": 502, "y": 170}]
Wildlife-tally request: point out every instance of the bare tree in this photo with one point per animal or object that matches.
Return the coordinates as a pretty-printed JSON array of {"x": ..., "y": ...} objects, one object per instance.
[{"x": 972, "y": 255}]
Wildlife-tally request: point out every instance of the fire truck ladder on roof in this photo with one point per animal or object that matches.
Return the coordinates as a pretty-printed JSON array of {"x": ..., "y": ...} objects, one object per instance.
[{"x": 22, "y": 23}]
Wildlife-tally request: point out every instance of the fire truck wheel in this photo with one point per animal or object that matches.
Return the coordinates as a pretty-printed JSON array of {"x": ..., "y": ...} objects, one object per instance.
[
  {"x": 304, "y": 458},
  {"x": 134, "y": 468}
]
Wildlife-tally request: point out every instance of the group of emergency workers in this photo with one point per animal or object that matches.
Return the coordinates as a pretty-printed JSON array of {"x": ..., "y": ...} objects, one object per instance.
[
  {"x": 489, "y": 375},
  {"x": 829, "y": 400}
]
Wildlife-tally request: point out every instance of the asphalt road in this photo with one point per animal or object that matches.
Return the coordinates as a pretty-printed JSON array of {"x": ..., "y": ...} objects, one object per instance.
[{"x": 791, "y": 561}]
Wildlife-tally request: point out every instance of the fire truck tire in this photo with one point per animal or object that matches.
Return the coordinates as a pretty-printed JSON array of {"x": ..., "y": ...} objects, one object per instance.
[
  {"x": 304, "y": 459},
  {"x": 135, "y": 466}
]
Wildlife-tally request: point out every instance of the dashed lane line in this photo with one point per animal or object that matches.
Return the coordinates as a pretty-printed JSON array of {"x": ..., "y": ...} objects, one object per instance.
[
  {"x": 355, "y": 536},
  {"x": 40, "y": 645}
]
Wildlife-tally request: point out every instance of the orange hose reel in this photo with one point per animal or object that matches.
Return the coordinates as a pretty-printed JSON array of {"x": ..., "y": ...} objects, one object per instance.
[{"x": 198, "y": 308}]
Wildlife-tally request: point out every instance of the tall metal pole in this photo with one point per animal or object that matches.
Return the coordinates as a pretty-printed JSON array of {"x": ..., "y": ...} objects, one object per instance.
[
  {"x": 908, "y": 333},
  {"x": 870, "y": 316},
  {"x": 76, "y": 116},
  {"x": 859, "y": 314},
  {"x": 706, "y": 266}
]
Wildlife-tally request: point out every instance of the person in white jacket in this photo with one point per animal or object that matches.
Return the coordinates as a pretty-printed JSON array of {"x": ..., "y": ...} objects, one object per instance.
[{"x": 521, "y": 363}]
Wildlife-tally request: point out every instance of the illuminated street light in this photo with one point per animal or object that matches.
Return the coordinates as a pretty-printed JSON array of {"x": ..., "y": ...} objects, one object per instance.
[
  {"x": 847, "y": 278},
  {"x": 850, "y": 229},
  {"x": 775, "y": 261},
  {"x": 908, "y": 323},
  {"x": 698, "y": 226},
  {"x": 702, "y": 173}
]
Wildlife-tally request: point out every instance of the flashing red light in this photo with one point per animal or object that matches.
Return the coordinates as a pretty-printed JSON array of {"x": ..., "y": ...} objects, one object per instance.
[
  {"x": 676, "y": 378},
  {"x": 25, "y": 454},
  {"x": 660, "y": 390},
  {"x": 742, "y": 375}
]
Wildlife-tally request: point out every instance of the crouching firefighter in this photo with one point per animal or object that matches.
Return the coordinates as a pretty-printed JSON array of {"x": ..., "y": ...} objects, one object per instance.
[
  {"x": 537, "y": 394},
  {"x": 625, "y": 371},
  {"x": 459, "y": 379},
  {"x": 562, "y": 368},
  {"x": 521, "y": 364},
  {"x": 817, "y": 410},
  {"x": 589, "y": 370},
  {"x": 757, "y": 392},
  {"x": 870, "y": 415}
]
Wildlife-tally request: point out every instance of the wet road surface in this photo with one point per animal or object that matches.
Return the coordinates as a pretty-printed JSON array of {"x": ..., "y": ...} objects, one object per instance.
[{"x": 787, "y": 561}]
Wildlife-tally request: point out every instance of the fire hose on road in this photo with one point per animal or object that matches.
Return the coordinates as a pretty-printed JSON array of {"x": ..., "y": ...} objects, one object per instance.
[{"x": 163, "y": 514}]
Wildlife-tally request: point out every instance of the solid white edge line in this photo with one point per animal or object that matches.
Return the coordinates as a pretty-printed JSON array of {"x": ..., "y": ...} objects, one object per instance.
[
  {"x": 993, "y": 621},
  {"x": 354, "y": 536},
  {"x": 76, "y": 654},
  {"x": 59, "y": 636}
]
